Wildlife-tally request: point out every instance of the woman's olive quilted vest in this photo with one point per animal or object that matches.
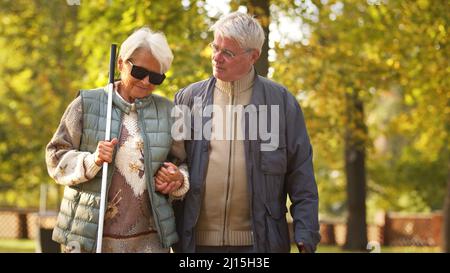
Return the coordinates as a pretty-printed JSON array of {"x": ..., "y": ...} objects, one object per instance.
[{"x": 79, "y": 212}]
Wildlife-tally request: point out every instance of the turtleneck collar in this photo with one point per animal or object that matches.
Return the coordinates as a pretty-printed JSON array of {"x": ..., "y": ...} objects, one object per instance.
[
  {"x": 125, "y": 106},
  {"x": 131, "y": 106},
  {"x": 241, "y": 85}
]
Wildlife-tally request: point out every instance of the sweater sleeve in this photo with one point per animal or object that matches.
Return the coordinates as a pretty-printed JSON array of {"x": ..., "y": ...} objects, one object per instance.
[
  {"x": 183, "y": 189},
  {"x": 177, "y": 156},
  {"x": 65, "y": 163}
]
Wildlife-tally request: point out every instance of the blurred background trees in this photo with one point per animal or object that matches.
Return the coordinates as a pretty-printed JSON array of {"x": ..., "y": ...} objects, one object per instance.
[{"x": 371, "y": 76}]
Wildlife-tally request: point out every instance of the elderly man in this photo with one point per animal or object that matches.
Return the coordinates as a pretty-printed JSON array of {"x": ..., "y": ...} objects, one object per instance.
[{"x": 250, "y": 151}]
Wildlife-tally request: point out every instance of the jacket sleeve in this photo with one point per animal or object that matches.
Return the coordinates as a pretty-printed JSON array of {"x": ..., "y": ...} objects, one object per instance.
[
  {"x": 177, "y": 156},
  {"x": 301, "y": 183},
  {"x": 65, "y": 163}
]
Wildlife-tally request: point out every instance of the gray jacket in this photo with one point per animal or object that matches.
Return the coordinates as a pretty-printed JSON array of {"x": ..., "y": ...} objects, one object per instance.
[{"x": 271, "y": 175}]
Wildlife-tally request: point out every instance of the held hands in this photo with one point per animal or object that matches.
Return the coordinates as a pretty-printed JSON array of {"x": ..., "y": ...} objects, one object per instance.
[
  {"x": 168, "y": 178},
  {"x": 104, "y": 152}
]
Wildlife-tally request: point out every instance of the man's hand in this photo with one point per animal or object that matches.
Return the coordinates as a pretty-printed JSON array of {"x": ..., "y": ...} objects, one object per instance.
[
  {"x": 302, "y": 248},
  {"x": 168, "y": 178},
  {"x": 104, "y": 151}
]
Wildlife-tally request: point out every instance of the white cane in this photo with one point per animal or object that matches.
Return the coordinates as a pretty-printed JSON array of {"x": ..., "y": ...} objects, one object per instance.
[{"x": 103, "y": 201}]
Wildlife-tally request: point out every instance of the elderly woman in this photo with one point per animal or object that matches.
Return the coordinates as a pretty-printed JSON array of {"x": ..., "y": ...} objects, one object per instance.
[{"x": 139, "y": 216}]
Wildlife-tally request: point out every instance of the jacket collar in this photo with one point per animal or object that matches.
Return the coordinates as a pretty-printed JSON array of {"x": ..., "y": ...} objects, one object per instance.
[{"x": 259, "y": 93}]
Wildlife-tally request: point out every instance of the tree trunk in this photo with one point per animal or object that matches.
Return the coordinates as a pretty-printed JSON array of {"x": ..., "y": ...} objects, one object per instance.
[
  {"x": 262, "y": 12},
  {"x": 355, "y": 139},
  {"x": 446, "y": 224}
]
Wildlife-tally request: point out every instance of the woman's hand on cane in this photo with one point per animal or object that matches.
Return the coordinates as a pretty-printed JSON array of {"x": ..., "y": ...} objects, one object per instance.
[{"x": 104, "y": 151}]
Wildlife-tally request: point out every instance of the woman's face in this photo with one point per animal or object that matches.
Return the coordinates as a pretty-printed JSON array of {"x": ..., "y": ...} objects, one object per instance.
[{"x": 131, "y": 87}]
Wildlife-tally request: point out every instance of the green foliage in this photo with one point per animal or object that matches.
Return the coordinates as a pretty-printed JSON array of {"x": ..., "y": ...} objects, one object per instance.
[
  {"x": 104, "y": 22},
  {"x": 393, "y": 55},
  {"x": 50, "y": 50},
  {"x": 37, "y": 64}
]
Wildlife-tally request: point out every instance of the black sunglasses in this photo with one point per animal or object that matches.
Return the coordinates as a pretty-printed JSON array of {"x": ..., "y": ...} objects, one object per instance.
[{"x": 140, "y": 73}]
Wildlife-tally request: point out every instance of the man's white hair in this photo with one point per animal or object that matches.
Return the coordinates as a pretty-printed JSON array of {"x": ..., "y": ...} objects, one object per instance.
[
  {"x": 154, "y": 42},
  {"x": 241, "y": 27}
]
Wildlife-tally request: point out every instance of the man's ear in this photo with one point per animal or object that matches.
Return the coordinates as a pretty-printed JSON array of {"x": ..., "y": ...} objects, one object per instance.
[{"x": 255, "y": 55}]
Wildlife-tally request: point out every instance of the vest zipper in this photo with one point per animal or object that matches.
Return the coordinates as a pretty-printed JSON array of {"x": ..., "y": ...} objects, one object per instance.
[
  {"x": 147, "y": 173},
  {"x": 112, "y": 166}
]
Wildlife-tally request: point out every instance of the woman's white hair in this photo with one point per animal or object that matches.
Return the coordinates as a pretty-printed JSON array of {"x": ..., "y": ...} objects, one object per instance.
[
  {"x": 241, "y": 27},
  {"x": 154, "y": 42}
]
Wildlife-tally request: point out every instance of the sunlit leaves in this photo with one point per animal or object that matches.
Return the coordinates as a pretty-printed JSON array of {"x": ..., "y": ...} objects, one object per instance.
[
  {"x": 381, "y": 50},
  {"x": 50, "y": 50}
]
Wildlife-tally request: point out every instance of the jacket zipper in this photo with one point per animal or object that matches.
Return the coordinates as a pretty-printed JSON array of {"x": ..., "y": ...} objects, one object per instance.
[{"x": 229, "y": 161}]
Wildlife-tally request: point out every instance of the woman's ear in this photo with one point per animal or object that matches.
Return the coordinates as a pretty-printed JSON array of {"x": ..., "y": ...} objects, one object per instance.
[{"x": 120, "y": 64}]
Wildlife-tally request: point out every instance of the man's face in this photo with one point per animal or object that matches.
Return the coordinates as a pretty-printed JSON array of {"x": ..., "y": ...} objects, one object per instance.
[{"x": 231, "y": 62}]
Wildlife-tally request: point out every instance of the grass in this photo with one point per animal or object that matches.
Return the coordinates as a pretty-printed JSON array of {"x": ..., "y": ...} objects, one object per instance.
[
  {"x": 383, "y": 249},
  {"x": 17, "y": 246},
  {"x": 23, "y": 246}
]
